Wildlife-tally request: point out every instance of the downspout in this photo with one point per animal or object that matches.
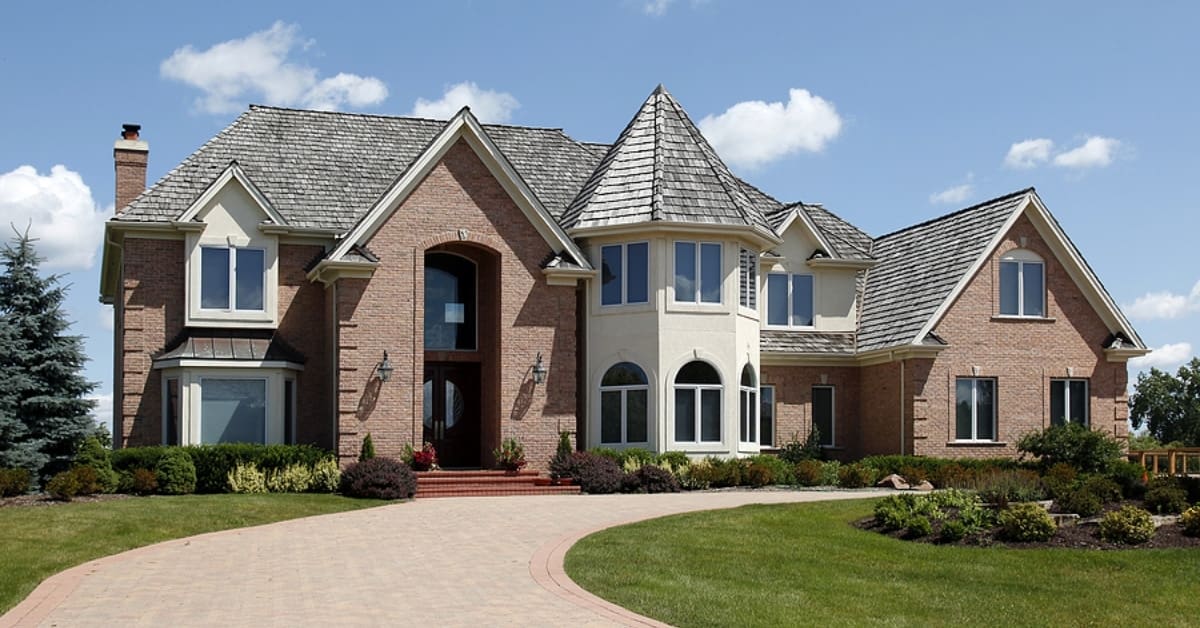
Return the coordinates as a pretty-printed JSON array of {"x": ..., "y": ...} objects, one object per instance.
[
  {"x": 902, "y": 407},
  {"x": 118, "y": 346}
]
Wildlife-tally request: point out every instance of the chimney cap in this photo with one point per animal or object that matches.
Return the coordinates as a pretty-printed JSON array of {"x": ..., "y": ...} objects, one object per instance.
[
  {"x": 130, "y": 140},
  {"x": 130, "y": 129}
]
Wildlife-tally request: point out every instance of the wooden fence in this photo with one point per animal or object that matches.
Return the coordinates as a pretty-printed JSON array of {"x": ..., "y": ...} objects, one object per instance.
[{"x": 1176, "y": 461}]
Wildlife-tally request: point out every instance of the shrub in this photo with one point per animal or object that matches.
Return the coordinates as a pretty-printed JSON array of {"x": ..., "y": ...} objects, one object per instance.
[
  {"x": 294, "y": 478},
  {"x": 914, "y": 474},
  {"x": 64, "y": 485},
  {"x": 758, "y": 475},
  {"x": 325, "y": 476},
  {"x": 247, "y": 478},
  {"x": 694, "y": 477},
  {"x": 892, "y": 516},
  {"x": 214, "y": 462},
  {"x": 808, "y": 473},
  {"x": 595, "y": 473},
  {"x": 795, "y": 451},
  {"x": 92, "y": 453},
  {"x": 130, "y": 458},
  {"x": 367, "y": 451},
  {"x": 558, "y": 464},
  {"x": 1103, "y": 488},
  {"x": 953, "y": 531},
  {"x": 638, "y": 457},
  {"x": 855, "y": 476},
  {"x": 1087, "y": 450},
  {"x": 378, "y": 478},
  {"x": 1166, "y": 499},
  {"x": 654, "y": 479},
  {"x": 1129, "y": 476},
  {"x": 14, "y": 482},
  {"x": 725, "y": 472},
  {"x": 782, "y": 471},
  {"x": 1004, "y": 487},
  {"x": 829, "y": 473},
  {"x": 1059, "y": 479},
  {"x": 673, "y": 460},
  {"x": 143, "y": 482},
  {"x": 1189, "y": 521},
  {"x": 918, "y": 527},
  {"x": 607, "y": 452},
  {"x": 1026, "y": 522},
  {"x": 1129, "y": 526},
  {"x": 1079, "y": 501},
  {"x": 175, "y": 472}
]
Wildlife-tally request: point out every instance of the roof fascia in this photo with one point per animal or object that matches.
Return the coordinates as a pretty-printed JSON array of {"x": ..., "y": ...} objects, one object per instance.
[
  {"x": 810, "y": 226},
  {"x": 786, "y": 358},
  {"x": 902, "y": 352},
  {"x": 328, "y": 270},
  {"x": 232, "y": 171},
  {"x": 225, "y": 364},
  {"x": 856, "y": 264},
  {"x": 753, "y": 233}
]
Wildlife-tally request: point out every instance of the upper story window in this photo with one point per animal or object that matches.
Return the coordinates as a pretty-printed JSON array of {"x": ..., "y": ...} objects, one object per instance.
[
  {"x": 623, "y": 405},
  {"x": 1068, "y": 401},
  {"x": 697, "y": 272},
  {"x": 698, "y": 403},
  {"x": 748, "y": 278},
  {"x": 232, "y": 278},
  {"x": 624, "y": 274},
  {"x": 789, "y": 300},
  {"x": 1022, "y": 284}
]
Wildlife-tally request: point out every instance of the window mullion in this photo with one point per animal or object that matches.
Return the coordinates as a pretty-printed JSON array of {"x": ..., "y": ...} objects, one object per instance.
[{"x": 233, "y": 279}]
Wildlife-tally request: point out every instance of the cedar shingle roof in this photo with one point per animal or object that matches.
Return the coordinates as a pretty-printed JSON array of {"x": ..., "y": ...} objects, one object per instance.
[{"x": 784, "y": 341}]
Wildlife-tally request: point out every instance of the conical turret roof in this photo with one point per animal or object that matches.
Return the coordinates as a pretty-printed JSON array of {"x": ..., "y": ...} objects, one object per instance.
[{"x": 662, "y": 169}]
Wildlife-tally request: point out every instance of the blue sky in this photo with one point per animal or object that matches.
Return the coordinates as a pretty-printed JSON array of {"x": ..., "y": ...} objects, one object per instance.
[{"x": 888, "y": 113}]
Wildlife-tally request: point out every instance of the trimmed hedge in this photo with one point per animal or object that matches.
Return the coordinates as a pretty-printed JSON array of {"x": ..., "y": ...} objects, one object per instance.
[{"x": 213, "y": 463}]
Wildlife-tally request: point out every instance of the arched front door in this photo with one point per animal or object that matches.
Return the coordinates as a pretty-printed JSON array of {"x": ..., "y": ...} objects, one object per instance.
[{"x": 451, "y": 421}]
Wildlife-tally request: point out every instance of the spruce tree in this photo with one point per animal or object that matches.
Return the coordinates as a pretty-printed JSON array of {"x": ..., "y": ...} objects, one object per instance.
[{"x": 43, "y": 412}]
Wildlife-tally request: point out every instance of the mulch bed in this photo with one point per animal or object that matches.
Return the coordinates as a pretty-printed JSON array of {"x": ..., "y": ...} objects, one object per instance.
[
  {"x": 1079, "y": 536},
  {"x": 42, "y": 499}
]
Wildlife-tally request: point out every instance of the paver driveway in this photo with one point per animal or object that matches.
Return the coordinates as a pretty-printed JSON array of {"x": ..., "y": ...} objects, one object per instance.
[{"x": 480, "y": 561}]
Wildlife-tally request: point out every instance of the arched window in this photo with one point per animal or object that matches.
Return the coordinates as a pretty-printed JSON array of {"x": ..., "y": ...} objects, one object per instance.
[
  {"x": 748, "y": 406},
  {"x": 449, "y": 302},
  {"x": 1022, "y": 284},
  {"x": 698, "y": 403},
  {"x": 623, "y": 405}
]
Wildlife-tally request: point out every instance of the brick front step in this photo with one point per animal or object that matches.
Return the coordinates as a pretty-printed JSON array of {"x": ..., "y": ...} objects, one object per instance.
[{"x": 486, "y": 483}]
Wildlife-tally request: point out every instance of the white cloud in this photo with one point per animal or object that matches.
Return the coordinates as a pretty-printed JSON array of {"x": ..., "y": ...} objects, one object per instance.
[
  {"x": 1096, "y": 152},
  {"x": 1167, "y": 357},
  {"x": 1028, "y": 153},
  {"x": 102, "y": 412},
  {"x": 1153, "y": 305},
  {"x": 656, "y": 7},
  {"x": 485, "y": 104},
  {"x": 955, "y": 194},
  {"x": 257, "y": 66},
  {"x": 752, "y": 133},
  {"x": 60, "y": 212}
]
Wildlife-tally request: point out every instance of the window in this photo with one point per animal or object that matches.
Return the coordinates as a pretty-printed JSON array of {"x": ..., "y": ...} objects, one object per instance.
[
  {"x": 173, "y": 414},
  {"x": 1068, "y": 401},
  {"x": 233, "y": 410},
  {"x": 232, "y": 275},
  {"x": 289, "y": 411},
  {"x": 748, "y": 408},
  {"x": 822, "y": 413},
  {"x": 697, "y": 272},
  {"x": 748, "y": 278},
  {"x": 975, "y": 403},
  {"x": 766, "y": 416},
  {"x": 623, "y": 405},
  {"x": 698, "y": 403},
  {"x": 449, "y": 302},
  {"x": 624, "y": 274},
  {"x": 789, "y": 300},
  {"x": 1022, "y": 284}
]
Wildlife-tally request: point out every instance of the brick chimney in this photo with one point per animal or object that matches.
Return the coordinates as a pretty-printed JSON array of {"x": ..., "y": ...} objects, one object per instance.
[{"x": 129, "y": 156}]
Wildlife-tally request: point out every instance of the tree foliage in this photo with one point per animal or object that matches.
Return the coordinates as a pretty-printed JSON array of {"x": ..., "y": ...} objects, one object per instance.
[
  {"x": 43, "y": 412},
  {"x": 1169, "y": 405}
]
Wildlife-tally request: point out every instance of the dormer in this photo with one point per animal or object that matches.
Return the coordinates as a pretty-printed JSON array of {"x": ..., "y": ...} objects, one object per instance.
[{"x": 231, "y": 255}]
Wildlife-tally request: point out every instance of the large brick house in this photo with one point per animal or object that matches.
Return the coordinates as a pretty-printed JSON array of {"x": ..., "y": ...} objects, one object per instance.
[{"x": 311, "y": 277}]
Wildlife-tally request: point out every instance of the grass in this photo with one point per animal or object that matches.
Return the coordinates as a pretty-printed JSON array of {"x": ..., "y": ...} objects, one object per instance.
[
  {"x": 804, "y": 564},
  {"x": 36, "y": 542}
]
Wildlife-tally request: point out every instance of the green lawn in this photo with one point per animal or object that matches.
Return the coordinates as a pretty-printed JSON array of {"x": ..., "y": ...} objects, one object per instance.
[
  {"x": 804, "y": 564},
  {"x": 36, "y": 542}
]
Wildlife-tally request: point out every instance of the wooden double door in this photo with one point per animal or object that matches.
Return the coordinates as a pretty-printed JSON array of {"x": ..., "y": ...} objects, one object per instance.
[{"x": 452, "y": 422}]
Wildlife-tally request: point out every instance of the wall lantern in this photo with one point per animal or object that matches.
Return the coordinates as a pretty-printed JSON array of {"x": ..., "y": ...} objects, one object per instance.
[
  {"x": 384, "y": 368},
  {"x": 539, "y": 370}
]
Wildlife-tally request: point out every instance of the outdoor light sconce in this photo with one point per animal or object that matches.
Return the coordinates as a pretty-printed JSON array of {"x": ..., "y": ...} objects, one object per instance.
[
  {"x": 384, "y": 368},
  {"x": 539, "y": 370}
]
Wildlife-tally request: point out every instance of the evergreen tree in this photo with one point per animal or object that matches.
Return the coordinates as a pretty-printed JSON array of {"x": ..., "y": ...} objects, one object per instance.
[{"x": 43, "y": 412}]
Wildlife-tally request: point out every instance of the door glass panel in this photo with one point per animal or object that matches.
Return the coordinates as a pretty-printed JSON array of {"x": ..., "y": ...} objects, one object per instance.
[
  {"x": 428, "y": 416},
  {"x": 685, "y": 414},
  {"x": 710, "y": 415},
  {"x": 635, "y": 416},
  {"x": 455, "y": 404},
  {"x": 233, "y": 410}
]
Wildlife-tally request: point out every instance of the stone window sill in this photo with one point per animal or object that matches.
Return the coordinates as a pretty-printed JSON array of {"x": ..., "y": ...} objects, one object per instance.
[
  {"x": 976, "y": 443},
  {"x": 1022, "y": 319}
]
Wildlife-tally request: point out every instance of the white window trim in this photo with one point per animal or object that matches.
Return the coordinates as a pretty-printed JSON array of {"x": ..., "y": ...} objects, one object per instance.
[
  {"x": 624, "y": 390},
  {"x": 233, "y": 287},
  {"x": 1021, "y": 257},
  {"x": 750, "y": 407},
  {"x": 697, "y": 416},
  {"x": 1087, "y": 406},
  {"x": 761, "y": 389},
  {"x": 624, "y": 246},
  {"x": 267, "y": 411},
  {"x": 975, "y": 408},
  {"x": 191, "y": 382},
  {"x": 232, "y": 317},
  {"x": 790, "y": 315},
  {"x": 699, "y": 301},
  {"x": 833, "y": 441}
]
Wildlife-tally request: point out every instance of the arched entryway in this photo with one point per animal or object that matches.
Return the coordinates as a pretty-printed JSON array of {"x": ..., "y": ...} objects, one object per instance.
[{"x": 461, "y": 305}]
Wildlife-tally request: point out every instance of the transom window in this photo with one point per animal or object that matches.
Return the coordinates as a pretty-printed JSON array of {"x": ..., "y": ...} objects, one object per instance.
[
  {"x": 1022, "y": 284},
  {"x": 766, "y": 416},
  {"x": 624, "y": 273},
  {"x": 748, "y": 408},
  {"x": 232, "y": 278},
  {"x": 789, "y": 300},
  {"x": 698, "y": 403},
  {"x": 748, "y": 278},
  {"x": 450, "y": 303},
  {"x": 822, "y": 412},
  {"x": 623, "y": 405},
  {"x": 1068, "y": 401},
  {"x": 697, "y": 272},
  {"x": 975, "y": 409}
]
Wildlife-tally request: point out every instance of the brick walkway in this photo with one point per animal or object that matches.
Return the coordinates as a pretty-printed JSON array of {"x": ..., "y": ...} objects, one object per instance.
[{"x": 446, "y": 562}]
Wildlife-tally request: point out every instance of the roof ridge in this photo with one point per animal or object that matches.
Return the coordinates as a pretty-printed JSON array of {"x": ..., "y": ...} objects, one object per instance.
[
  {"x": 394, "y": 116},
  {"x": 992, "y": 201},
  {"x": 656, "y": 193}
]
